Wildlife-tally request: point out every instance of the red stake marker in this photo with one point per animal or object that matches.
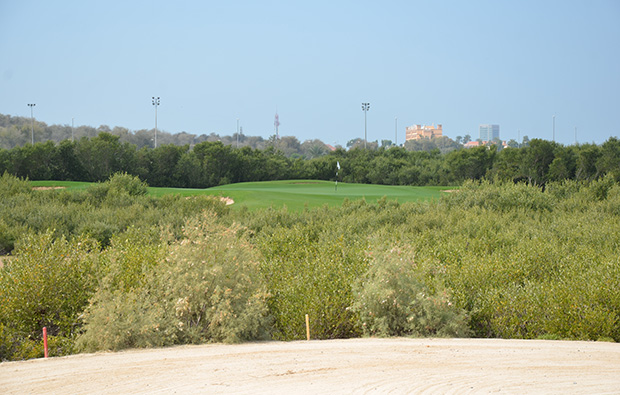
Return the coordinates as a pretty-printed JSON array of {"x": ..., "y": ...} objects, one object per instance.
[{"x": 45, "y": 341}]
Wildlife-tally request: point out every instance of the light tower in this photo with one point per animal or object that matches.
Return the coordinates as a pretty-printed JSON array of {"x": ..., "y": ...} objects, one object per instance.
[
  {"x": 156, "y": 104},
  {"x": 32, "y": 121},
  {"x": 396, "y": 131},
  {"x": 365, "y": 108}
]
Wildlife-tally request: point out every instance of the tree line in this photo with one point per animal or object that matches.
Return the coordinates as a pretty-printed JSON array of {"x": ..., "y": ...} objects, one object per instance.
[{"x": 212, "y": 163}]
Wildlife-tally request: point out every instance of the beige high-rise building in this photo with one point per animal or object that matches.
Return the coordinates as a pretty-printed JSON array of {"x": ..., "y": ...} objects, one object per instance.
[{"x": 417, "y": 132}]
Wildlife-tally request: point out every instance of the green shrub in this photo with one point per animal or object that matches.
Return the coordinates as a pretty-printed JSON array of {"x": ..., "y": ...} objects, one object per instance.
[
  {"x": 499, "y": 196},
  {"x": 11, "y": 186},
  {"x": 392, "y": 299},
  {"x": 46, "y": 284},
  {"x": 206, "y": 289},
  {"x": 310, "y": 269},
  {"x": 117, "y": 320},
  {"x": 211, "y": 283},
  {"x": 132, "y": 185}
]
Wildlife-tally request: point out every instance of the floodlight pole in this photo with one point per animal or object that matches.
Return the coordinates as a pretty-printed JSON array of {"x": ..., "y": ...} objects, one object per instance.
[
  {"x": 32, "y": 121},
  {"x": 156, "y": 104},
  {"x": 396, "y": 131},
  {"x": 365, "y": 108}
]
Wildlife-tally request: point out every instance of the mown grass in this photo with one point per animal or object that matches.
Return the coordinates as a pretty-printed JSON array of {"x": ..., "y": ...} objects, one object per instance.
[
  {"x": 298, "y": 194},
  {"x": 294, "y": 194}
]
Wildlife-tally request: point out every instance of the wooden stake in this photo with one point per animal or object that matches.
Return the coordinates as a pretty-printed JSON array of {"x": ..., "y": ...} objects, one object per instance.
[
  {"x": 307, "y": 327},
  {"x": 45, "y": 342}
]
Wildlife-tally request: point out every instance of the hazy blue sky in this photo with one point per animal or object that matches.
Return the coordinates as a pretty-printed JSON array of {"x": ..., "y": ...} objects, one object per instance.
[{"x": 456, "y": 63}]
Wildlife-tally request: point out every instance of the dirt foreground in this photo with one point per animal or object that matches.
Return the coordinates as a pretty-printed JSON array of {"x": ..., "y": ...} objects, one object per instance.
[{"x": 423, "y": 366}]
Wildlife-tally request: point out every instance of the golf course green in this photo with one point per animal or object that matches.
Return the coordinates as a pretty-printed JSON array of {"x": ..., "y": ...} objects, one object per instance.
[{"x": 294, "y": 194}]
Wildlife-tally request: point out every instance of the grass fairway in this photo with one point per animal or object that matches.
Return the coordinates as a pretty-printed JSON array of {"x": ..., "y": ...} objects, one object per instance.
[
  {"x": 297, "y": 194},
  {"x": 294, "y": 194}
]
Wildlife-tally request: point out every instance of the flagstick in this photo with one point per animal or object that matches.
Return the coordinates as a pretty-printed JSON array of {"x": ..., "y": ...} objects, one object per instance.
[{"x": 337, "y": 168}]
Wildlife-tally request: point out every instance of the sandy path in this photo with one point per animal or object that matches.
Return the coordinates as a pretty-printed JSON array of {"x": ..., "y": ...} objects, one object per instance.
[{"x": 429, "y": 366}]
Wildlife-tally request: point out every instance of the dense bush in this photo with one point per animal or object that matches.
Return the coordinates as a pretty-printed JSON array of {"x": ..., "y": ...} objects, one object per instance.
[
  {"x": 394, "y": 299},
  {"x": 492, "y": 260},
  {"x": 46, "y": 284},
  {"x": 207, "y": 289},
  {"x": 310, "y": 269},
  {"x": 101, "y": 211}
]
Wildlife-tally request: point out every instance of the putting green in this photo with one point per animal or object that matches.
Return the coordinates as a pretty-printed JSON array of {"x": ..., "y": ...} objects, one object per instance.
[{"x": 297, "y": 194}]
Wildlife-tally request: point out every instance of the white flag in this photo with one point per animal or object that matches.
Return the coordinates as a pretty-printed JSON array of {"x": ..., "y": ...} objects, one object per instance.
[{"x": 338, "y": 165}]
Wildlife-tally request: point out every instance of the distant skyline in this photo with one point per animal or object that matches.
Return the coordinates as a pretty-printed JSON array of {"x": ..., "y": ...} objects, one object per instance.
[{"x": 459, "y": 64}]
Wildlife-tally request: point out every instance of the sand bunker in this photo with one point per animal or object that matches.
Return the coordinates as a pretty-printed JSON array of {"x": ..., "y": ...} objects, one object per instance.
[{"x": 422, "y": 366}]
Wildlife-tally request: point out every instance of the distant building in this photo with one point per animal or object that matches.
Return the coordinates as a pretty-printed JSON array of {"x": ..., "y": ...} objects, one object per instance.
[
  {"x": 472, "y": 144},
  {"x": 489, "y": 132},
  {"x": 417, "y": 132},
  {"x": 478, "y": 143}
]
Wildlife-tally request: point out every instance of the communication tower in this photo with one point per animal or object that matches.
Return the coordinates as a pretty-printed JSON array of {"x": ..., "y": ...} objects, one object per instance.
[{"x": 276, "y": 124}]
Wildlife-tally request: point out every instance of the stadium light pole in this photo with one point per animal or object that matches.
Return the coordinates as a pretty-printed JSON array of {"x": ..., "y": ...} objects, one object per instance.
[
  {"x": 155, "y": 103},
  {"x": 396, "y": 131},
  {"x": 32, "y": 121},
  {"x": 365, "y": 108},
  {"x": 554, "y": 128}
]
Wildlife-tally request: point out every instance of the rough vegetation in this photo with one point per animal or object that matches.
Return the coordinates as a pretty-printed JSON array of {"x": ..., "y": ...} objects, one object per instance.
[{"x": 496, "y": 259}]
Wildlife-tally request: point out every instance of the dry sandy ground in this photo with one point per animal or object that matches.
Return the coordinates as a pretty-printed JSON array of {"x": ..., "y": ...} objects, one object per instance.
[{"x": 424, "y": 366}]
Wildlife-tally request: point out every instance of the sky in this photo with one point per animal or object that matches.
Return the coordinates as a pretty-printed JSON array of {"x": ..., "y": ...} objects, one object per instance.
[{"x": 455, "y": 63}]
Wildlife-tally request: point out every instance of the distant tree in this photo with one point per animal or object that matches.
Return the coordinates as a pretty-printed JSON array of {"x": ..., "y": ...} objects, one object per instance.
[
  {"x": 564, "y": 164},
  {"x": 355, "y": 143},
  {"x": 218, "y": 162},
  {"x": 587, "y": 158},
  {"x": 525, "y": 142},
  {"x": 609, "y": 159},
  {"x": 313, "y": 149},
  {"x": 161, "y": 163},
  {"x": 288, "y": 145},
  {"x": 471, "y": 163},
  {"x": 509, "y": 164},
  {"x": 512, "y": 143},
  {"x": 104, "y": 155},
  {"x": 538, "y": 157},
  {"x": 444, "y": 144},
  {"x": 466, "y": 139}
]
